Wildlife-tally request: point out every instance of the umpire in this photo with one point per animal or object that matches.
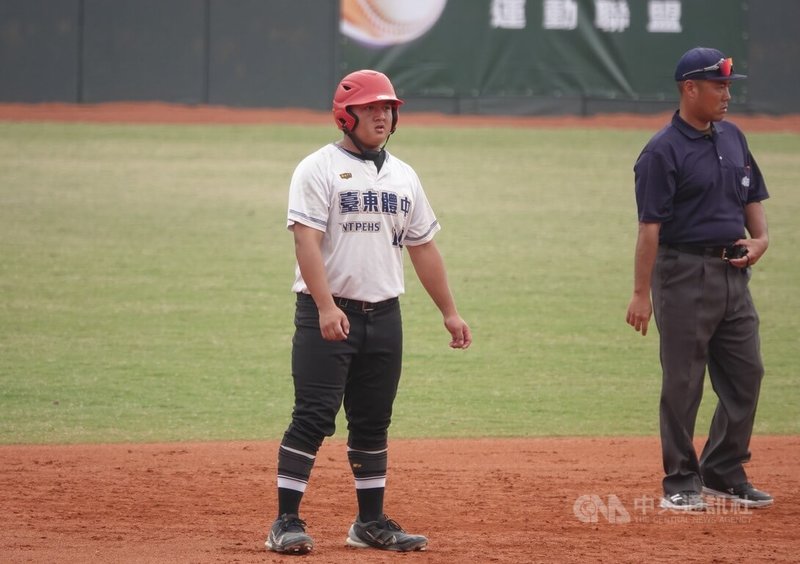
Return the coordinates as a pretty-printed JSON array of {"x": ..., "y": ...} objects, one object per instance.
[{"x": 697, "y": 189}]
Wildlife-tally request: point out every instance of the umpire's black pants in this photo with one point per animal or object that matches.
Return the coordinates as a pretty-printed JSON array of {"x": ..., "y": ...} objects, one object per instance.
[
  {"x": 364, "y": 371},
  {"x": 705, "y": 317}
]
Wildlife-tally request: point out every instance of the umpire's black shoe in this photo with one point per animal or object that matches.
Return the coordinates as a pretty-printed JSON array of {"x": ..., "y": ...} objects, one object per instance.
[
  {"x": 384, "y": 534},
  {"x": 288, "y": 536},
  {"x": 684, "y": 501},
  {"x": 743, "y": 494}
]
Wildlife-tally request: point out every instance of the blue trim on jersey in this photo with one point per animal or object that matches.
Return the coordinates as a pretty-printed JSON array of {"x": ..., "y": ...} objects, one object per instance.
[
  {"x": 425, "y": 235},
  {"x": 309, "y": 218}
]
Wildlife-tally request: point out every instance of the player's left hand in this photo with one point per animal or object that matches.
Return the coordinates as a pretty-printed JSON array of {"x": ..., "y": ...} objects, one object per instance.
[{"x": 459, "y": 331}]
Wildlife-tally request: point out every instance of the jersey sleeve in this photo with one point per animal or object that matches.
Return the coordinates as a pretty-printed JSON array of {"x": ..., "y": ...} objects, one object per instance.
[
  {"x": 758, "y": 188},
  {"x": 309, "y": 194},
  {"x": 423, "y": 224},
  {"x": 656, "y": 183}
]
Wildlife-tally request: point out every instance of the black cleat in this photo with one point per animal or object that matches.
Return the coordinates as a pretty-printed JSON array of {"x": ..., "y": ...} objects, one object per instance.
[
  {"x": 384, "y": 534},
  {"x": 288, "y": 536}
]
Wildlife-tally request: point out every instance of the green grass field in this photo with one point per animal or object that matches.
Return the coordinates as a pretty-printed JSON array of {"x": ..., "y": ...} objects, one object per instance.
[{"x": 145, "y": 276}]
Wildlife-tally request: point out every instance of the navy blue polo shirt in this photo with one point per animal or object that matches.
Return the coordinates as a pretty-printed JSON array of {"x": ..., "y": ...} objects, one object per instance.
[{"x": 696, "y": 184}]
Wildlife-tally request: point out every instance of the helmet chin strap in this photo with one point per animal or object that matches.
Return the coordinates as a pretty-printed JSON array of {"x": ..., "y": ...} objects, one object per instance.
[{"x": 368, "y": 154}]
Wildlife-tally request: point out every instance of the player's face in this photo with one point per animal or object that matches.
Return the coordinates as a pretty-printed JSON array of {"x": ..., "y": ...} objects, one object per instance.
[
  {"x": 374, "y": 123},
  {"x": 712, "y": 99}
]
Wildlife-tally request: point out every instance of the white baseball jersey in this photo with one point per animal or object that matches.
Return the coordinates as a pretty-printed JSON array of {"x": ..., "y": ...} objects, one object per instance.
[{"x": 367, "y": 216}]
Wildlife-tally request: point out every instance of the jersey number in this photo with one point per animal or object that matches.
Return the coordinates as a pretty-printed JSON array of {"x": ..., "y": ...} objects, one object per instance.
[{"x": 397, "y": 238}]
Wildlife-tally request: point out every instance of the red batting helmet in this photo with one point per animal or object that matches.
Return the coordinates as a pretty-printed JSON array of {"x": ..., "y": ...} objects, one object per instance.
[{"x": 362, "y": 87}]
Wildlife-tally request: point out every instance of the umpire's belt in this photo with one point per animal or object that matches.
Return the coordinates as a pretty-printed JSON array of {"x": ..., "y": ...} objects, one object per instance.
[
  {"x": 718, "y": 252},
  {"x": 358, "y": 305}
]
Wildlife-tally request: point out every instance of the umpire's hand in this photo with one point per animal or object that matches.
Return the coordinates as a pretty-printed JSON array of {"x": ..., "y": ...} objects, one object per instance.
[{"x": 639, "y": 311}]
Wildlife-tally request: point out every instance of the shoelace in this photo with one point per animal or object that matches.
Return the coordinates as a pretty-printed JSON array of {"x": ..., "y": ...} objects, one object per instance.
[
  {"x": 295, "y": 523},
  {"x": 392, "y": 525}
]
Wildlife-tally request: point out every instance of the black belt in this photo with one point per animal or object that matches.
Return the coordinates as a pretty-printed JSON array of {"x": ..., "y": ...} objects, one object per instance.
[
  {"x": 355, "y": 305},
  {"x": 358, "y": 305},
  {"x": 718, "y": 252}
]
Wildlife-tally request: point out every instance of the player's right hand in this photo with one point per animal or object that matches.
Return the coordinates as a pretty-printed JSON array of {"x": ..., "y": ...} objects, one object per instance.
[
  {"x": 333, "y": 324},
  {"x": 461, "y": 336}
]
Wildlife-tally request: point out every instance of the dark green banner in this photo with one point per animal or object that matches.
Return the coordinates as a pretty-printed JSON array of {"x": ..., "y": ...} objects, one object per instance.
[{"x": 623, "y": 50}]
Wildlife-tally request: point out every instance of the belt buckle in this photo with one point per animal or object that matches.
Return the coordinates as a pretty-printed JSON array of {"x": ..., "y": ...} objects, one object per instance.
[{"x": 366, "y": 307}]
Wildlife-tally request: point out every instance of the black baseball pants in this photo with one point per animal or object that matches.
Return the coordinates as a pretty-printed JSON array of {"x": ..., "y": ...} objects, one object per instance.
[{"x": 362, "y": 371}]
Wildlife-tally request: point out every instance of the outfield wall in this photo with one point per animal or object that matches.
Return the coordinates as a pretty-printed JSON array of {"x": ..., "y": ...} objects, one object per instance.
[
  {"x": 524, "y": 57},
  {"x": 255, "y": 53}
]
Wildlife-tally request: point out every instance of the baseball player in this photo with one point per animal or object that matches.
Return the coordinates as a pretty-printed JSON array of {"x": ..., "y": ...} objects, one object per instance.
[{"x": 353, "y": 208}]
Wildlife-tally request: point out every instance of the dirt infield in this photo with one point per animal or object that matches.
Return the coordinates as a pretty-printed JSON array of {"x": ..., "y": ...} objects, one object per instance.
[
  {"x": 154, "y": 112},
  {"x": 486, "y": 500},
  {"x": 501, "y": 501}
]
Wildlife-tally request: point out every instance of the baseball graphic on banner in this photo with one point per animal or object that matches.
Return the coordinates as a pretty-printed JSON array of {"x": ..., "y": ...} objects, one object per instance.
[{"x": 381, "y": 23}]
